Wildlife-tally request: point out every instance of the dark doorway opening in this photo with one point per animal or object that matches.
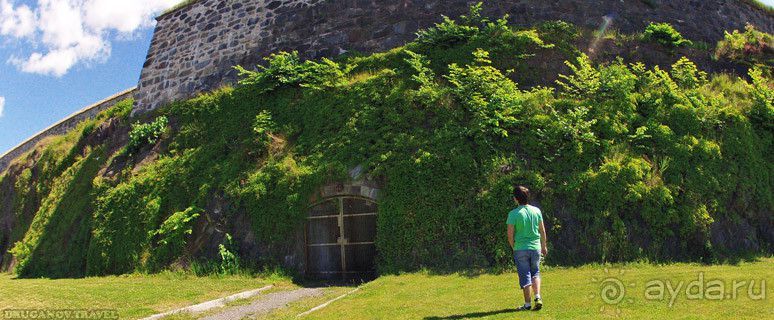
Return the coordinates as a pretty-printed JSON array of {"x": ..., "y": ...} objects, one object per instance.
[{"x": 340, "y": 236}]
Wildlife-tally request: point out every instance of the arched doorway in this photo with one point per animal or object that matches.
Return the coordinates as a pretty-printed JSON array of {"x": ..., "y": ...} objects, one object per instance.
[{"x": 340, "y": 235}]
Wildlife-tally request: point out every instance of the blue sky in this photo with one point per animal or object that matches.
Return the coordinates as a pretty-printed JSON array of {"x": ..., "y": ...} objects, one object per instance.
[
  {"x": 33, "y": 102},
  {"x": 58, "y": 56}
]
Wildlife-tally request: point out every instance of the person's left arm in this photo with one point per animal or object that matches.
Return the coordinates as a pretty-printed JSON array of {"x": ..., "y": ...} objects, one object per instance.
[{"x": 543, "y": 239}]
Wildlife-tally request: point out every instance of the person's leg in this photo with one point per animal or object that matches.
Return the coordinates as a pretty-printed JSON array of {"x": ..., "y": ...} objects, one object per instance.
[
  {"x": 536, "y": 286},
  {"x": 522, "y": 260},
  {"x": 535, "y": 272},
  {"x": 527, "y": 294}
]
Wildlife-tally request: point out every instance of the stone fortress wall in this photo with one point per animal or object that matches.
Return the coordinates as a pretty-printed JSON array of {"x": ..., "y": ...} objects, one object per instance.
[
  {"x": 195, "y": 47},
  {"x": 63, "y": 126}
]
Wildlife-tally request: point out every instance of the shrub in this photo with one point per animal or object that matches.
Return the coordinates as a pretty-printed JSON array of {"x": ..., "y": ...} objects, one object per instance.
[
  {"x": 146, "y": 133},
  {"x": 285, "y": 69},
  {"x": 687, "y": 75},
  {"x": 229, "y": 262},
  {"x": 170, "y": 237},
  {"x": 664, "y": 34},
  {"x": 449, "y": 33},
  {"x": 762, "y": 111},
  {"x": 561, "y": 34},
  {"x": 263, "y": 126},
  {"x": 584, "y": 82},
  {"x": 750, "y": 46}
]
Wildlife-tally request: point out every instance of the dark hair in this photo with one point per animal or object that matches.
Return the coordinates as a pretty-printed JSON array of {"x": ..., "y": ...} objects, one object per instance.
[{"x": 521, "y": 193}]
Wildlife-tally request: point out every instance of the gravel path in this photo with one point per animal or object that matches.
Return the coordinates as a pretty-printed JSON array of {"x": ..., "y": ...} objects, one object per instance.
[
  {"x": 217, "y": 303},
  {"x": 266, "y": 303}
]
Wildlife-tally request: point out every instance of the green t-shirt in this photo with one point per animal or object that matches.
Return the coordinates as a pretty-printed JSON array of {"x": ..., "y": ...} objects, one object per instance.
[{"x": 526, "y": 224}]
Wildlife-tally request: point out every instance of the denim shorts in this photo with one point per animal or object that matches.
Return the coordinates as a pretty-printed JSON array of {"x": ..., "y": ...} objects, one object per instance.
[{"x": 527, "y": 265}]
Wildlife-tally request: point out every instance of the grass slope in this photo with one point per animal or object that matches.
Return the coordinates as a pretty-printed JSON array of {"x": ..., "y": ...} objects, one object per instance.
[{"x": 568, "y": 293}]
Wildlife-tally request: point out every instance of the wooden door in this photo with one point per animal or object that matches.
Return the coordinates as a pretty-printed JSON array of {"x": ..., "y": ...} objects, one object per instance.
[{"x": 340, "y": 235}]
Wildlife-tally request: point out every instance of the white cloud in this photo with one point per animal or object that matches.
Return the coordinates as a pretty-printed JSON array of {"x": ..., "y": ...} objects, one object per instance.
[
  {"x": 17, "y": 22},
  {"x": 123, "y": 16},
  {"x": 2, "y": 106},
  {"x": 68, "y": 32}
]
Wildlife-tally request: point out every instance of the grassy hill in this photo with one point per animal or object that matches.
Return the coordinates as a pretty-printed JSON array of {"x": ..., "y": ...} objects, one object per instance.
[{"x": 646, "y": 157}]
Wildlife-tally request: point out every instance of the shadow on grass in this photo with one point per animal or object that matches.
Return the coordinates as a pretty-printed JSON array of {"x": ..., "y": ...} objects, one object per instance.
[{"x": 472, "y": 315}]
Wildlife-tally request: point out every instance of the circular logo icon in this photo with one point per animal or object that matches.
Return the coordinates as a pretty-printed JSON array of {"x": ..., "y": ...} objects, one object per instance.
[{"x": 612, "y": 291}]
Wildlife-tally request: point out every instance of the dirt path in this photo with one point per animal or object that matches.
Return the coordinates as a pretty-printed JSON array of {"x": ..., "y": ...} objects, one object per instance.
[{"x": 266, "y": 304}]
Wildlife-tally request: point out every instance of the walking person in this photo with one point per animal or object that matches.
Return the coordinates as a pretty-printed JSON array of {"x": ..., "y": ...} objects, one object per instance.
[{"x": 527, "y": 237}]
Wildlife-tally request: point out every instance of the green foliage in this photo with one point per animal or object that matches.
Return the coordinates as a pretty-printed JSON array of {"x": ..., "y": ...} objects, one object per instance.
[
  {"x": 146, "y": 133},
  {"x": 263, "y": 127},
  {"x": 229, "y": 262},
  {"x": 687, "y": 75},
  {"x": 627, "y": 162},
  {"x": 170, "y": 238},
  {"x": 449, "y": 33},
  {"x": 274, "y": 196},
  {"x": 286, "y": 69},
  {"x": 664, "y": 34},
  {"x": 584, "y": 82},
  {"x": 762, "y": 111},
  {"x": 123, "y": 217},
  {"x": 452, "y": 41},
  {"x": 446, "y": 34},
  {"x": 751, "y": 46},
  {"x": 53, "y": 201},
  {"x": 121, "y": 110},
  {"x": 63, "y": 214},
  {"x": 561, "y": 34}
]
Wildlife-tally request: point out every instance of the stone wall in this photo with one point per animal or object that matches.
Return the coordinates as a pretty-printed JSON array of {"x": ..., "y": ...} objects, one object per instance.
[
  {"x": 63, "y": 126},
  {"x": 195, "y": 47}
]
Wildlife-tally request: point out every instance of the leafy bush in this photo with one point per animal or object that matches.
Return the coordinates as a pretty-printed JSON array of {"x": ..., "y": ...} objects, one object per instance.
[
  {"x": 750, "y": 46},
  {"x": 229, "y": 262},
  {"x": 664, "y": 34},
  {"x": 170, "y": 237},
  {"x": 286, "y": 69},
  {"x": 449, "y": 33},
  {"x": 762, "y": 111},
  {"x": 687, "y": 75},
  {"x": 263, "y": 126},
  {"x": 146, "y": 133}
]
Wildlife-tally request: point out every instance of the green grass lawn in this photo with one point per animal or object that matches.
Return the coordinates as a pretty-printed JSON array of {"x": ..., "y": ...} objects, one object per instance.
[
  {"x": 568, "y": 293},
  {"x": 133, "y": 296}
]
